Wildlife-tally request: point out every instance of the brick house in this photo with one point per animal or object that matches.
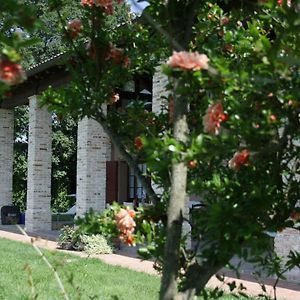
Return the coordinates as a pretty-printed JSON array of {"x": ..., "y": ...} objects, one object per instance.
[{"x": 102, "y": 175}]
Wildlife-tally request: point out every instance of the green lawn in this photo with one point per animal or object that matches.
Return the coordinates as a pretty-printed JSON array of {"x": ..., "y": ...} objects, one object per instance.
[
  {"x": 92, "y": 278},
  {"x": 83, "y": 278}
]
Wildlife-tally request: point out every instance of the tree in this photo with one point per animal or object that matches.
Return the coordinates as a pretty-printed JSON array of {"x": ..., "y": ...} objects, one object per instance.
[{"x": 228, "y": 132}]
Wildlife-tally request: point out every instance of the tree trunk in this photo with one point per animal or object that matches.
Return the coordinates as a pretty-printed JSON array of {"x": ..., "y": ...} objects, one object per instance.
[{"x": 175, "y": 211}]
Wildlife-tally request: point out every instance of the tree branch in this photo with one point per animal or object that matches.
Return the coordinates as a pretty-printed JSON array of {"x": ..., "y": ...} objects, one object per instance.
[{"x": 101, "y": 119}]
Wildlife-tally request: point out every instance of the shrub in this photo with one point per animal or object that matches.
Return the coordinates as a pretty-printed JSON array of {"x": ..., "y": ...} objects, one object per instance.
[
  {"x": 96, "y": 244},
  {"x": 73, "y": 239},
  {"x": 70, "y": 239}
]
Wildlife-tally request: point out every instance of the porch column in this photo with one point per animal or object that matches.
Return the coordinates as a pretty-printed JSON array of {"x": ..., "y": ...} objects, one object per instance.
[
  {"x": 6, "y": 156},
  {"x": 38, "y": 213},
  {"x": 93, "y": 150}
]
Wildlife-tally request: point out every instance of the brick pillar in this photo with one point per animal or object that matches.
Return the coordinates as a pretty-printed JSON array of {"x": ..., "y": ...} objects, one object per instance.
[
  {"x": 6, "y": 156},
  {"x": 93, "y": 150},
  {"x": 284, "y": 242},
  {"x": 38, "y": 213}
]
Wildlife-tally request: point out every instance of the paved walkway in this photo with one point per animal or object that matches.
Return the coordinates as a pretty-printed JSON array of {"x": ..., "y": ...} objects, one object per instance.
[{"x": 291, "y": 292}]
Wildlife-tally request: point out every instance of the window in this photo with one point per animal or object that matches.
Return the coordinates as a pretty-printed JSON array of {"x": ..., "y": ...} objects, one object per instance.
[
  {"x": 138, "y": 89},
  {"x": 136, "y": 191}
]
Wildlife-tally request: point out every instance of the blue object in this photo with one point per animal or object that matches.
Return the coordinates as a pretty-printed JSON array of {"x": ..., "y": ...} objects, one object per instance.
[{"x": 22, "y": 218}]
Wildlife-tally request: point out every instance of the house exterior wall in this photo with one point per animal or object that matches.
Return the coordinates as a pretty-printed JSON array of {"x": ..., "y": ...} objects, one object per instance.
[{"x": 6, "y": 156}]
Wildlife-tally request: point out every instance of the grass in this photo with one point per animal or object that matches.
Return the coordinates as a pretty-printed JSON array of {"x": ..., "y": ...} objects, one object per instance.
[{"x": 83, "y": 278}]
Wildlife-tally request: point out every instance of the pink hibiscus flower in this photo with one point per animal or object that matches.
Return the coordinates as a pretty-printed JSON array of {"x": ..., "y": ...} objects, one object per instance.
[{"x": 213, "y": 118}]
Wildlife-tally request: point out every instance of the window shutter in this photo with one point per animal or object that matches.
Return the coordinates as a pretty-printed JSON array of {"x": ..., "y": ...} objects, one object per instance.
[
  {"x": 123, "y": 182},
  {"x": 111, "y": 181}
]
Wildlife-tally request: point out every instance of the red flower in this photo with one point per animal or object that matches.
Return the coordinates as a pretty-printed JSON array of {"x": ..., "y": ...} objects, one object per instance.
[
  {"x": 87, "y": 2},
  {"x": 213, "y": 118},
  {"x": 106, "y": 5},
  {"x": 295, "y": 216},
  {"x": 126, "y": 225},
  {"x": 288, "y": 2},
  {"x": 117, "y": 54},
  {"x": 188, "y": 60},
  {"x": 74, "y": 27},
  {"x": 192, "y": 164},
  {"x": 114, "y": 98},
  {"x": 273, "y": 118},
  {"x": 138, "y": 143},
  {"x": 239, "y": 159},
  {"x": 224, "y": 21},
  {"x": 130, "y": 240},
  {"x": 11, "y": 73},
  {"x": 126, "y": 62}
]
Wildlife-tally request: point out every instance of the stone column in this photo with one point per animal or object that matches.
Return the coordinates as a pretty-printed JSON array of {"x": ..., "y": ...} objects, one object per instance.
[
  {"x": 38, "y": 213},
  {"x": 93, "y": 150},
  {"x": 6, "y": 156}
]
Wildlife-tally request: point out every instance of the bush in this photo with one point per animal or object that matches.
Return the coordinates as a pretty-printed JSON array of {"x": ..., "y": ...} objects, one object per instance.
[
  {"x": 96, "y": 244},
  {"x": 70, "y": 239},
  {"x": 103, "y": 223},
  {"x": 74, "y": 239}
]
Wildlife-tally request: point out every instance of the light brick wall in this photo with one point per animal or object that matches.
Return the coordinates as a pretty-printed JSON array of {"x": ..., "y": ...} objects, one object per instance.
[
  {"x": 38, "y": 213},
  {"x": 6, "y": 156},
  {"x": 93, "y": 150},
  {"x": 285, "y": 241}
]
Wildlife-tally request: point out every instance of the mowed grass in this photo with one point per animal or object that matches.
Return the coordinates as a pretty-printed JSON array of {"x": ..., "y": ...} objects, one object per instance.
[{"x": 83, "y": 278}]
